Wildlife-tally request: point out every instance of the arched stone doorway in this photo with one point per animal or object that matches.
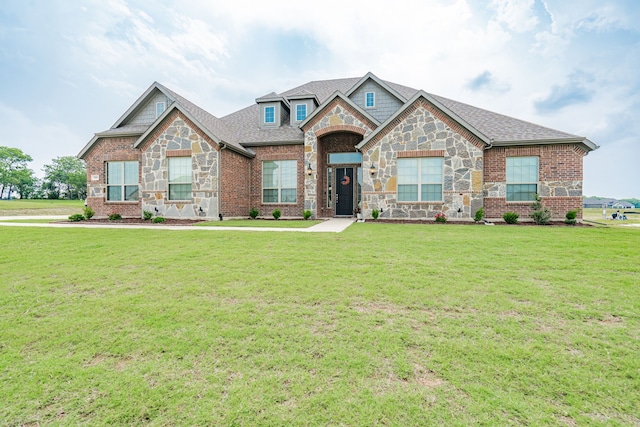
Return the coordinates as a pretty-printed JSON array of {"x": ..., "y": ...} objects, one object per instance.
[{"x": 339, "y": 174}]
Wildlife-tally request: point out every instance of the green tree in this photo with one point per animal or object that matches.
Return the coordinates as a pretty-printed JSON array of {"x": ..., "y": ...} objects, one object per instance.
[
  {"x": 66, "y": 177},
  {"x": 24, "y": 182},
  {"x": 11, "y": 160}
]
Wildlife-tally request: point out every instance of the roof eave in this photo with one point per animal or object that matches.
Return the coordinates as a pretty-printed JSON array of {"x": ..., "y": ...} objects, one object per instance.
[
  {"x": 584, "y": 143},
  {"x": 87, "y": 147}
]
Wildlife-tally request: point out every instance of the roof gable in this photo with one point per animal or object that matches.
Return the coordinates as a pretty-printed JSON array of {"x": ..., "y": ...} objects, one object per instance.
[
  {"x": 337, "y": 96},
  {"x": 377, "y": 81}
]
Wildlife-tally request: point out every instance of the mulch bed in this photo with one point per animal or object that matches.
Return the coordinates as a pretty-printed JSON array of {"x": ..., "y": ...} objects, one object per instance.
[
  {"x": 136, "y": 221},
  {"x": 432, "y": 222}
]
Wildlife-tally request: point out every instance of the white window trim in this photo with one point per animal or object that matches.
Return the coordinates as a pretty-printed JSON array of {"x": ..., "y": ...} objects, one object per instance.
[
  {"x": 279, "y": 188},
  {"x": 124, "y": 184},
  {"x": 536, "y": 183},
  {"x": 419, "y": 183},
  {"x": 365, "y": 100}
]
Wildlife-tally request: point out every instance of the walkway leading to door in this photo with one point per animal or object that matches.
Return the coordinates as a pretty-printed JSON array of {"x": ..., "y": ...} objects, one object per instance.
[{"x": 333, "y": 225}]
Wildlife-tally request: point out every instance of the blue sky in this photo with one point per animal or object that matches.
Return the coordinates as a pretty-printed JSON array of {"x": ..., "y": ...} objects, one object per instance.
[{"x": 71, "y": 68}]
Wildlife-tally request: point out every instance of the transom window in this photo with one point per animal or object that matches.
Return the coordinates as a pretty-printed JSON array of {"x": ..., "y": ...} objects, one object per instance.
[
  {"x": 269, "y": 114},
  {"x": 345, "y": 158},
  {"x": 179, "y": 178},
  {"x": 160, "y": 106},
  {"x": 301, "y": 112},
  {"x": 279, "y": 181},
  {"x": 370, "y": 99},
  {"x": 122, "y": 181},
  {"x": 420, "y": 179},
  {"x": 522, "y": 178}
]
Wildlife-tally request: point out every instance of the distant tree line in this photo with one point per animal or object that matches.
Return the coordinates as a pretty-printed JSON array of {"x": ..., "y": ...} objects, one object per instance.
[{"x": 64, "y": 178}]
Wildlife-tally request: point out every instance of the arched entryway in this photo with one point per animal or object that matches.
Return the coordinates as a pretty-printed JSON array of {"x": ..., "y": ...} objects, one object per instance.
[{"x": 339, "y": 174}]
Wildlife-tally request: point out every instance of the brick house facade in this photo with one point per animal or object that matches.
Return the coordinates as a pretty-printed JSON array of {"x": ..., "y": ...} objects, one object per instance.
[{"x": 332, "y": 147}]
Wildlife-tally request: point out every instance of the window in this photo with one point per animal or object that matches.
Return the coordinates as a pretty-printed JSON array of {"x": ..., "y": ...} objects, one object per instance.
[
  {"x": 269, "y": 114},
  {"x": 522, "y": 179},
  {"x": 279, "y": 181},
  {"x": 180, "y": 178},
  {"x": 122, "y": 181},
  {"x": 159, "y": 108},
  {"x": 370, "y": 99},
  {"x": 345, "y": 158},
  {"x": 420, "y": 180},
  {"x": 301, "y": 112}
]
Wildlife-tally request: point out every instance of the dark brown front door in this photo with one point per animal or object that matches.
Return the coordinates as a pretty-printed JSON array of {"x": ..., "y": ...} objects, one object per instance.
[{"x": 344, "y": 191}]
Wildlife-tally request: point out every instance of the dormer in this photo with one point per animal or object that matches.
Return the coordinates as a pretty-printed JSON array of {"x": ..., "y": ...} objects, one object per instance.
[
  {"x": 302, "y": 104},
  {"x": 274, "y": 111},
  {"x": 376, "y": 97}
]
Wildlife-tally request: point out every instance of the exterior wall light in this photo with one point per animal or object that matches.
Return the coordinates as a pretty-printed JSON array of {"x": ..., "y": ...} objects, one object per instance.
[
  {"x": 309, "y": 170},
  {"x": 372, "y": 170}
]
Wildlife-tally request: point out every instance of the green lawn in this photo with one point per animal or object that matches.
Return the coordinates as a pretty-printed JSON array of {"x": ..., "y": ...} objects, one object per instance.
[
  {"x": 261, "y": 223},
  {"x": 379, "y": 325},
  {"x": 595, "y": 215},
  {"x": 17, "y": 207}
]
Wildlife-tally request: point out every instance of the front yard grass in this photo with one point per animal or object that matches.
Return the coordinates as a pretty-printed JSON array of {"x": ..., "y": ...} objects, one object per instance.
[
  {"x": 379, "y": 325},
  {"x": 262, "y": 223},
  {"x": 17, "y": 207}
]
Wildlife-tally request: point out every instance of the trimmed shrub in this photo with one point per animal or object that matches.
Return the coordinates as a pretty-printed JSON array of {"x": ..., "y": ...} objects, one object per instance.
[
  {"x": 88, "y": 212},
  {"x": 570, "y": 217},
  {"x": 479, "y": 215},
  {"x": 375, "y": 214},
  {"x": 276, "y": 214},
  {"x": 510, "y": 217},
  {"x": 441, "y": 217},
  {"x": 158, "y": 219},
  {"x": 306, "y": 214},
  {"x": 76, "y": 217},
  {"x": 147, "y": 215},
  {"x": 114, "y": 216},
  {"x": 540, "y": 214},
  {"x": 253, "y": 213}
]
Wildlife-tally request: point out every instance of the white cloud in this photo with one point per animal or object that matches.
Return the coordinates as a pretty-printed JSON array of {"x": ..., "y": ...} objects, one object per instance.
[{"x": 517, "y": 15}]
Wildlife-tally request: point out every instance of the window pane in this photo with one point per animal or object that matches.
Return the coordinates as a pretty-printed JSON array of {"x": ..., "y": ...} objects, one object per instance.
[
  {"x": 179, "y": 191},
  {"x": 180, "y": 170},
  {"x": 329, "y": 187},
  {"x": 370, "y": 99},
  {"x": 522, "y": 169},
  {"x": 131, "y": 173},
  {"x": 431, "y": 192},
  {"x": 114, "y": 173},
  {"x": 288, "y": 174},
  {"x": 131, "y": 192},
  {"x": 301, "y": 112},
  {"x": 431, "y": 170},
  {"x": 345, "y": 158},
  {"x": 114, "y": 193},
  {"x": 269, "y": 174},
  {"x": 288, "y": 195},
  {"x": 521, "y": 192},
  {"x": 408, "y": 172},
  {"x": 270, "y": 196},
  {"x": 159, "y": 109},
  {"x": 408, "y": 193},
  {"x": 269, "y": 114}
]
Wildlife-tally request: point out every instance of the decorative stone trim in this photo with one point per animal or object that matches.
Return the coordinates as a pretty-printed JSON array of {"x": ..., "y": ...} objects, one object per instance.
[
  {"x": 421, "y": 153},
  {"x": 178, "y": 153}
]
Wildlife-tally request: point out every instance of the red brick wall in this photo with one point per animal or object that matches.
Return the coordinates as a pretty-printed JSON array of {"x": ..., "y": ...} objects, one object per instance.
[
  {"x": 282, "y": 152},
  {"x": 103, "y": 151},
  {"x": 561, "y": 162},
  {"x": 235, "y": 190}
]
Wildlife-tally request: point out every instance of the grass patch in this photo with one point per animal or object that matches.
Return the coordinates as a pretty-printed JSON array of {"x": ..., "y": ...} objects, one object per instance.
[
  {"x": 595, "y": 214},
  {"x": 16, "y": 207},
  {"x": 260, "y": 223},
  {"x": 381, "y": 324},
  {"x": 31, "y": 221}
]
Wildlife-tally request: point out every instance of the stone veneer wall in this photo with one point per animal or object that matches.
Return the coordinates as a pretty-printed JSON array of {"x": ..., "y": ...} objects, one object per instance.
[
  {"x": 338, "y": 117},
  {"x": 418, "y": 132},
  {"x": 560, "y": 180},
  {"x": 103, "y": 151},
  {"x": 178, "y": 137}
]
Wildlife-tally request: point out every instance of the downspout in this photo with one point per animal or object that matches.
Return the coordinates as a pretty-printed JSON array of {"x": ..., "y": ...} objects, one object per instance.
[{"x": 222, "y": 147}]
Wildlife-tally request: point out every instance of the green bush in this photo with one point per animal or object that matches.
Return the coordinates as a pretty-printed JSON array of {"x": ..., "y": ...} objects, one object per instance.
[
  {"x": 479, "y": 215},
  {"x": 306, "y": 214},
  {"x": 88, "y": 212},
  {"x": 113, "y": 216},
  {"x": 510, "y": 217},
  {"x": 571, "y": 218},
  {"x": 441, "y": 217},
  {"x": 76, "y": 217},
  {"x": 540, "y": 214},
  {"x": 276, "y": 214},
  {"x": 158, "y": 219},
  {"x": 147, "y": 215},
  {"x": 375, "y": 213},
  {"x": 253, "y": 213}
]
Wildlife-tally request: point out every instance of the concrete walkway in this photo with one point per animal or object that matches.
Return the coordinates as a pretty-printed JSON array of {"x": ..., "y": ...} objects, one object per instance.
[{"x": 332, "y": 225}]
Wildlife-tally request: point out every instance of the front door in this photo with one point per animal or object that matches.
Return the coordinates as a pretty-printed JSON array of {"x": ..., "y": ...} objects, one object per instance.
[{"x": 344, "y": 191}]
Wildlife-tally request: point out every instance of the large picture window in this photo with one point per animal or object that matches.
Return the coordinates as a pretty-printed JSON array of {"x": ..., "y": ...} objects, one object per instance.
[
  {"x": 420, "y": 179},
  {"x": 279, "y": 181},
  {"x": 122, "y": 181},
  {"x": 180, "y": 178},
  {"x": 522, "y": 178}
]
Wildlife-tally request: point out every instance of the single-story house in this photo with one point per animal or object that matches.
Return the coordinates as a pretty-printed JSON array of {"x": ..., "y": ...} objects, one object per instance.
[{"x": 330, "y": 146}]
